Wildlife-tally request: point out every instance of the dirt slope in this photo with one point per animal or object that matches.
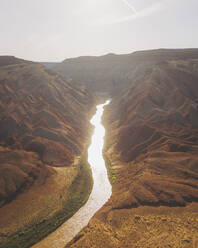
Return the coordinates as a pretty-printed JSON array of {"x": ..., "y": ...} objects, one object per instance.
[{"x": 44, "y": 124}]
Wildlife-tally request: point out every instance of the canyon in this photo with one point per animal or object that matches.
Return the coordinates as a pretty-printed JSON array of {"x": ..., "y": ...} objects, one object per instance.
[
  {"x": 151, "y": 149},
  {"x": 151, "y": 142}
]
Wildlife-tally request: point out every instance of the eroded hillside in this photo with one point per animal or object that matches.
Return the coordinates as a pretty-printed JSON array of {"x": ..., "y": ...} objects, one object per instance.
[
  {"x": 113, "y": 73},
  {"x": 152, "y": 154},
  {"x": 44, "y": 127},
  {"x": 154, "y": 130},
  {"x": 42, "y": 113}
]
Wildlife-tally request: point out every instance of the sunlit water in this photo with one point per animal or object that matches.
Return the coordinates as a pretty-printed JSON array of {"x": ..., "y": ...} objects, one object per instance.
[{"x": 100, "y": 193}]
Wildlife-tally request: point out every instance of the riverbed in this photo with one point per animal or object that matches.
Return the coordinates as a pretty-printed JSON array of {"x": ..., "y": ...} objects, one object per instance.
[{"x": 101, "y": 191}]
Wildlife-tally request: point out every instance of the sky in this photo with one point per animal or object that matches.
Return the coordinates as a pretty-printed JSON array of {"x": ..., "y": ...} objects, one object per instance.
[{"x": 53, "y": 30}]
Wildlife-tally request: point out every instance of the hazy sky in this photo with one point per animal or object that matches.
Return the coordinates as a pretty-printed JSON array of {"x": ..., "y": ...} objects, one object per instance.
[{"x": 52, "y": 30}]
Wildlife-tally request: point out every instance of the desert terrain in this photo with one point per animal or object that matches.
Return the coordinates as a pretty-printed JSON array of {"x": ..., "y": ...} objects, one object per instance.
[{"x": 151, "y": 150}]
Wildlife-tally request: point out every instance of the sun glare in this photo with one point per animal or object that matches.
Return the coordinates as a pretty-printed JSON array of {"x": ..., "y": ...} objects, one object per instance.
[{"x": 95, "y": 157}]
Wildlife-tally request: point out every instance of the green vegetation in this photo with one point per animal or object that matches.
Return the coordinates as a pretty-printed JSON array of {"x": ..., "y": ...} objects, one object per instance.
[
  {"x": 110, "y": 169},
  {"x": 113, "y": 176},
  {"x": 78, "y": 195}
]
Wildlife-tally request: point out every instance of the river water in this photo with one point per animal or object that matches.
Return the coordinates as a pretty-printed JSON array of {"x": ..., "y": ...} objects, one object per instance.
[{"x": 101, "y": 191}]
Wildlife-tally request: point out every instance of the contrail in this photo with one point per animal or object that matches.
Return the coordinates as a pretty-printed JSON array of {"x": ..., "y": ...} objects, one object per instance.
[{"x": 130, "y": 6}]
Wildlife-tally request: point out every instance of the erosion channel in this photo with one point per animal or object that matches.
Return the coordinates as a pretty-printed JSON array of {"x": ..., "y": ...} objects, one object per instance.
[{"x": 100, "y": 193}]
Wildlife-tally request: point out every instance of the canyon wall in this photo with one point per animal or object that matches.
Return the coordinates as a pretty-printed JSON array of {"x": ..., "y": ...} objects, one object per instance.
[
  {"x": 44, "y": 128},
  {"x": 113, "y": 73},
  {"x": 151, "y": 150}
]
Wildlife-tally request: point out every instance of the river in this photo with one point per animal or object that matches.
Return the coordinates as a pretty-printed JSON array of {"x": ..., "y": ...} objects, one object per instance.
[{"x": 101, "y": 191}]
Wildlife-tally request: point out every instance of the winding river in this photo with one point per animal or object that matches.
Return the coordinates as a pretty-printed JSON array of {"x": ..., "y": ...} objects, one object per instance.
[{"x": 101, "y": 191}]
